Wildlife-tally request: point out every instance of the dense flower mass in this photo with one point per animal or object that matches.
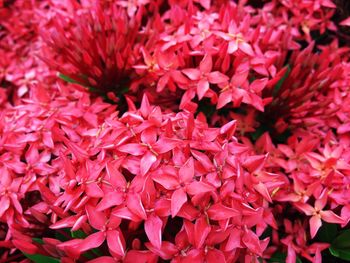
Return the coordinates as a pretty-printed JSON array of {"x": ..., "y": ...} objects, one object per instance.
[
  {"x": 97, "y": 41},
  {"x": 174, "y": 131}
]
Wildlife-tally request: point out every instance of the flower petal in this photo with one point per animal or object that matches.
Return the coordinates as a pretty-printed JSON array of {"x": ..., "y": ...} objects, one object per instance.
[
  {"x": 133, "y": 256},
  {"x": 186, "y": 172},
  {"x": 126, "y": 214},
  {"x": 331, "y": 217},
  {"x": 149, "y": 136},
  {"x": 146, "y": 162},
  {"x": 220, "y": 212},
  {"x": 132, "y": 148},
  {"x": 262, "y": 189},
  {"x": 252, "y": 242},
  {"x": 166, "y": 252},
  {"x": 201, "y": 231},
  {"x": 134, "y": 204},
  {"x": 96, "y": 219},
  {"x": 167, "y": 181},
  {"x": 115, "y": 177},
  {"x": 215, "y": 255},
  {"x": 192, "y": 74},
  {"x": 315, "y": 223},
  {"x": 345, "y": 22},
  {"x": 93, "y": 190},
  {"x": 116, "y": 243},
  {"x": 232, "y": 46},
  {"x": 25, "y": 246},
  {"x": 178, "y": 198},
  {"x": 4, "y": 204},
  {"x": 246, "y": 48},
  {"x": 65, "y": 222},
  {"x": 196, "y": 188},
  {"x": 103, "y": 259},
  {"x": 110, "y": 199},
  {"x": 164, "y": 145},
  {"x": 217, "y": 77},
  {"x": 93, "y": 241},
  {"x": 306, "y": 208},
  {"x": 202, "y": 88},
  {"x": 206, "y": 64},
  {"x": 224, "y": 98},
  {"x": 153, "y": 229},
  {"x": 234, "y": 241}
]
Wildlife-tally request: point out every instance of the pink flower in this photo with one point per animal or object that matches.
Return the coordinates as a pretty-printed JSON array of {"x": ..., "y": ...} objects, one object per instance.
[
  {"x": 317, "y": 213},
  {"x": 236, "y": 40},
  {"x": 345, "y": 22},
  {"x": 10, "y": 195},
  {"x": 93, "y": 45},
  {"x": 108, "y": 230},
  {"x": 296, "y": 242},
  {"x": 230, "y": 129},
  {"x": 204, "y": 75}
]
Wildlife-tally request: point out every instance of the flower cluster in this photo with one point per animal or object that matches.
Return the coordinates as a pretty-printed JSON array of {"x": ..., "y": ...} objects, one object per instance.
[
  {"x": 180, "y": 60},
  {"x": 221, "y": 133},
  {"x": 98, "y": 42}
]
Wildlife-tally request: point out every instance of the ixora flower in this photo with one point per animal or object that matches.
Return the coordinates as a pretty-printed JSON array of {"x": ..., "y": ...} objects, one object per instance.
[
  {"x": 93, "y": 44},
  {"x": 304, "y": 17},
  {"x": 191, "y": 171},
  {"x": 204, "y": 75},
  {"x": 27, "y": 146},
  {"x": 296, "y": 242},
  {"x": 321, "y": 81},
  {"x": 318, "y": 171},
  {"x": 311, "y": 95},
  {"x": 19, "y": 66},
  {"x": 317, "y": 213},
  {"x": 148, "y": 176},
  {"x": 243, "y": 44}
]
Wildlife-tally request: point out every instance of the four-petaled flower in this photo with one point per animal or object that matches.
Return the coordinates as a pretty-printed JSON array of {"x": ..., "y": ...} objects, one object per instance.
[{"x": 318, "y": 214}]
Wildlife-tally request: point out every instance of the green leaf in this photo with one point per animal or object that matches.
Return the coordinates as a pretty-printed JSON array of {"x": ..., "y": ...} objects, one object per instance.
[
  {"x": 78, "y": 234},
  {"x": 340, "y": 253},
  {"x": 91, "y": 89},
  {"x": 342, "y": 241},
  {"x": 66, "y": 78},
  {"x": 70, "y": 80},
  {"x": 41, "y": 259},
  {"x": 281, "y": 81},
  {"x": 38, "y": 240},
  {"x": 340, "y": 246}
]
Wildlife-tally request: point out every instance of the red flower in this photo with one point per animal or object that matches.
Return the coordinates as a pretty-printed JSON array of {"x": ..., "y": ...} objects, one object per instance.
[
  {"x": 204, "y": 76},
  {"x": 345, "y": 22},
  {"x": 108, "y": 230},
  {"x": 10, "y": 196},
  {"x": 317, "y": 214},
  {"x": 236, "y": 40},
  {"x": 93, "y": 45},
  {"x": 155, "y": 182}
]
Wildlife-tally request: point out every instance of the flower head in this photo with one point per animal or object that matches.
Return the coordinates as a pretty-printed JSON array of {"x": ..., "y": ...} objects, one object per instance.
[{"x": 94, "y": 45}]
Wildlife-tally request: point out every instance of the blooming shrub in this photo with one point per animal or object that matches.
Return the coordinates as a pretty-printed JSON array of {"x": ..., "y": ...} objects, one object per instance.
[{"x": 174, "y": 131}]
